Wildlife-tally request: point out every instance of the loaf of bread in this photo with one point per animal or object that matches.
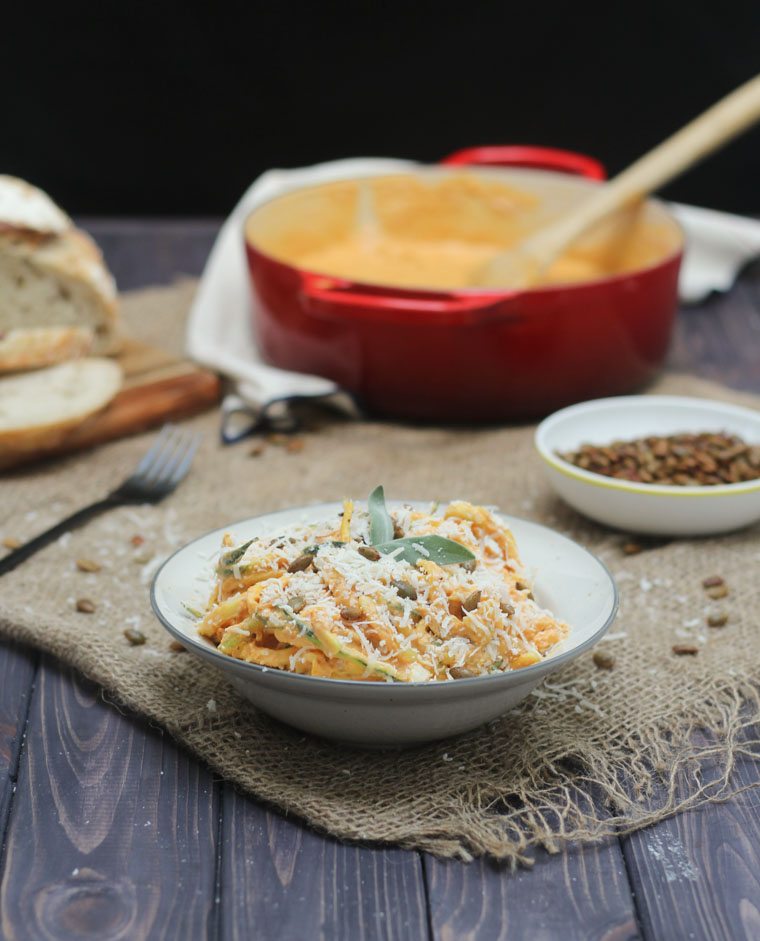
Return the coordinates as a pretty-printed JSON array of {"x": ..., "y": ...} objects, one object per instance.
[
  {"x": 52, "y": 278},
  {"x": 38, "y": 409}
]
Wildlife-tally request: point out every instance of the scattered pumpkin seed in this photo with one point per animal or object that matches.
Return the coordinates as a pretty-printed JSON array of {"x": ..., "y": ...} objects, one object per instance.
[
  {"x": 719, "y": 619},
  {"x": 472, "y": 601},
  {"x": 85, "y": 606},
  {"x": 507, "y": 608},
  {"x": 603, "y": 661},
  {"x": 350, "y": 614},
  {"x": 717, "y": 592},
  {"x": 712, "y": 581},
  {"x": 301, "y": 563},
  {"x": 398, "y": 532},
  {"x": 11, "y": 543},
  {"x": 685, "y": 650},
  {"x": 135, "y": 637},
  {"x": 369, "y": 552},
  {"x": 88, "y": 565},
  {"x": 404, "y": 589},
  {"x": 631, "y": 548},
  {"x": 176, "y": 647}
]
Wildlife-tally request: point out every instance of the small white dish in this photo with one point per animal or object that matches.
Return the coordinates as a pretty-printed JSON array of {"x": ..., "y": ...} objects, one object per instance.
[
  {"x": 653, "y": 509},
  {"x": 569, "y": 580}
]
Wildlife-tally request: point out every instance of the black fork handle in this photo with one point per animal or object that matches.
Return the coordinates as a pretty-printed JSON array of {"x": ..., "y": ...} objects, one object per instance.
[{"x": 71, "y": 522}]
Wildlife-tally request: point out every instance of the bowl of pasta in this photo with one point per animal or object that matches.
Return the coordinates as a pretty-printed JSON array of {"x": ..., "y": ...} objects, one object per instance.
[{"x": 385, "y": 625}]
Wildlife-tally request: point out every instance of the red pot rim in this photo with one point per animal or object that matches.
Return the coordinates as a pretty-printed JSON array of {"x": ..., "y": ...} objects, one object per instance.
[{"x": 379, "y": 298}]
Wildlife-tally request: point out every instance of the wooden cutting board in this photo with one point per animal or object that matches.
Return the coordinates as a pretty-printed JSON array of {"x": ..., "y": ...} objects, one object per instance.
[{"x": 158, "y": 387}]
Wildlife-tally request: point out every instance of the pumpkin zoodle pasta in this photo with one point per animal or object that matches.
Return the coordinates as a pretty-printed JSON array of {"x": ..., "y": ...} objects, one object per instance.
[{"x": 408, "y": 596}]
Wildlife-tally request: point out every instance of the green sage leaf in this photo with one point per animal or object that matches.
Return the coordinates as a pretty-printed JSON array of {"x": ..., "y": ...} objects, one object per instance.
[
  {"x": 380, "y": 522},
  {"x": 436, "y": 549}
]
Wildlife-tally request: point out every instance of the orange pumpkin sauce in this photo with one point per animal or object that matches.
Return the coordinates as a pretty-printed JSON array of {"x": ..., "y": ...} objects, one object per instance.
[{"x": 411, "y": 232}]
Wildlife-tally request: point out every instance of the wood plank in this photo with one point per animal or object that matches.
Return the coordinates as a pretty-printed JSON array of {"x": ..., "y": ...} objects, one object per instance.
[
  {"x": 113, "y": 829},
  {"x": 18, "y": 666},
  {"x": 580, "y": 893},
  {"x": 280, "y": 879},
  {"x": 697, "y": 875}
]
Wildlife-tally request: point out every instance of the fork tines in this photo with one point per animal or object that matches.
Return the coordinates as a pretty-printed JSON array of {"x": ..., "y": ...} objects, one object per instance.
[{"x": 168, "y": 460}]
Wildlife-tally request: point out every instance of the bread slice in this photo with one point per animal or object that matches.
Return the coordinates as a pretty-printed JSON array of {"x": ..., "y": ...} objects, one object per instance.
[
  {"x": 37, "y": 409},
  {"x": 33, "y": 347},
  {"x": 51, "y": 273}
]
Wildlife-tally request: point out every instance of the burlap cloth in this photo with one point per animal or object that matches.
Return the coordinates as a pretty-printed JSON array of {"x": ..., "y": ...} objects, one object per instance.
[{"x": 592, "y": 753}]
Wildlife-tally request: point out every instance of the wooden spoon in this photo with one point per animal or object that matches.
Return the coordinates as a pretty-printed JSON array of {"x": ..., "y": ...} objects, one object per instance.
[{"x": 524, "y": 264}]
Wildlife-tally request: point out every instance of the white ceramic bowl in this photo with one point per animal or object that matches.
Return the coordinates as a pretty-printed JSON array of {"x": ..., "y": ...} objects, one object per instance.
[
  {"x": 649, "y": 508},
  {"x": 569, "y": 581}
]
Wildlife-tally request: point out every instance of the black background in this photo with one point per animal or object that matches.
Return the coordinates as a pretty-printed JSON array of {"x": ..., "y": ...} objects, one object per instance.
[{"x": 163, "y": 109}]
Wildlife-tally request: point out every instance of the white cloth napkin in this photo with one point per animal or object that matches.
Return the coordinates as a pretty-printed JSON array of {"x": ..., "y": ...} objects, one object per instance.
[{"x": 219, "y": 334}]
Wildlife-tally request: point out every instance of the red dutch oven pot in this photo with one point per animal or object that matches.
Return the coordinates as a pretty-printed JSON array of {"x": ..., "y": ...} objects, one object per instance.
[{"x": 470, "y": 355}]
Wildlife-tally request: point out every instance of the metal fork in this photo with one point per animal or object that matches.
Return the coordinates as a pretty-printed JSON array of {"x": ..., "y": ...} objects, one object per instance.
[{"x": 155, "y": 477}]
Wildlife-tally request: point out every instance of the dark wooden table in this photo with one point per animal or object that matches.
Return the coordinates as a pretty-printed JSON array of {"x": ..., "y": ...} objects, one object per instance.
[{"x": 110, "y": 831}]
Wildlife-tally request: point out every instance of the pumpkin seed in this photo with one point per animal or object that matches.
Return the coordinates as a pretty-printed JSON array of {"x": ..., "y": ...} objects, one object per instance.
[
  {"x": 404, "y": 589},
  {"x": 369, "y": 553},
  {"x": 603, "y": 661},
  {"x": 719, "y": 619},
  {"x": 685, "y": 650},
  {"x": 461, "y": 673},
  {"x": 717, "y": 592},
  {"x": 507, "y": 609},
  {"x": 350, "y": 614},
  {"x": 135, "y": 637},
  {"x": 10, "y": 543},
  {"x": 87, "y": 565},
  {"x": 85, "y": 606},
  {"x": 712, "y": 581},
  {"x": 455, "y": 608},
  {"x": 472, "y": 601},
  {"x": 301, "y": 563}
]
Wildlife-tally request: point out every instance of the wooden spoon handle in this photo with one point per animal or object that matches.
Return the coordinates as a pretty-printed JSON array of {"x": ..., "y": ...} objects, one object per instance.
[{"x": 705, "y": 134}]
